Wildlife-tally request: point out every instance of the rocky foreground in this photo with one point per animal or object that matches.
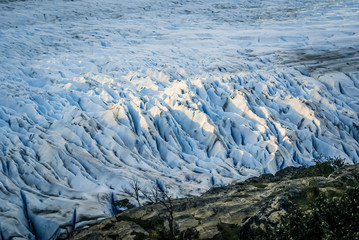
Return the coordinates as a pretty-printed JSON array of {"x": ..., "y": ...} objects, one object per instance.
[{"x": 236, "y": 211}]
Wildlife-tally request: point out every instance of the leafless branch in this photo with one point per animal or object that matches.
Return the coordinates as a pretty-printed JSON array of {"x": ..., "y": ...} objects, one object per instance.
[
  {"x": 154, "y": 195},
  {"x": 134, "y": 191}
]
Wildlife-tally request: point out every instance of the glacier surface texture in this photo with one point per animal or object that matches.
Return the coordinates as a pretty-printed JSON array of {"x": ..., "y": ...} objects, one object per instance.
[{"x": 188, "y": 94}]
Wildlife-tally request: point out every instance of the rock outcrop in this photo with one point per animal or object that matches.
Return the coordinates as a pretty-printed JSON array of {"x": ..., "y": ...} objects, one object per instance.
[{"x": 230, "y": 212}]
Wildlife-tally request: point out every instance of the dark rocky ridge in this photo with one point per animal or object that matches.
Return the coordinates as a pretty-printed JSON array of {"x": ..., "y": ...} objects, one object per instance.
[{"x": 230, "y": 212}]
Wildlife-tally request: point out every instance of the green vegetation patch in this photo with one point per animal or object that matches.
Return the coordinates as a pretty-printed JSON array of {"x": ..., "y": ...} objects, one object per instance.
[
  {"x": 227, "y": 232},
  {"x": 327, "y": 217},
  {"x": 308, "y": 195},
  {"x": 321, "y": 168}
]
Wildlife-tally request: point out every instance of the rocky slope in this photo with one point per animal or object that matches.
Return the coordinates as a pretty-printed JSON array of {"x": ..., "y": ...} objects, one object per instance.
[{"x": 234, "y": 211}]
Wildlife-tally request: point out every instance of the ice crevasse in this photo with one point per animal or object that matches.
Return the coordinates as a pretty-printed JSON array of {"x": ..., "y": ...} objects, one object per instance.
[{"x": 186, "y": 94}]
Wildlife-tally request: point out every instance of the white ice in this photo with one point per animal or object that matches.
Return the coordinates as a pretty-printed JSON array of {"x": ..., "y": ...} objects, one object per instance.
[{"x": 189, "y": 94}]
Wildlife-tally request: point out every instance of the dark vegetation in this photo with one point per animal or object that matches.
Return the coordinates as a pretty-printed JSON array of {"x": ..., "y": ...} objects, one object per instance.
[
  {"x": 318, "y": 215},
  {"x": 123, "y": 203},
  {"x": 328, "y": 217},
  {"x": 227, "y": 232},
  {"x": 322, "y": 168}
]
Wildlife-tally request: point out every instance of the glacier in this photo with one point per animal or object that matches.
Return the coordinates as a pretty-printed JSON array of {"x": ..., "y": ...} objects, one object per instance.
[{"x": 191, "y": 94}]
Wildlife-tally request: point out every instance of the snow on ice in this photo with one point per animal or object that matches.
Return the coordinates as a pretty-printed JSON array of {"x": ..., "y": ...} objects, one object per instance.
[{"x": 188, "y": 94}]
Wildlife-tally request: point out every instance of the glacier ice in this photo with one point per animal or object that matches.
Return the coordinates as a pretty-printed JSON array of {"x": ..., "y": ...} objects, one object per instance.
[{"x": 189, "y": 94}]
